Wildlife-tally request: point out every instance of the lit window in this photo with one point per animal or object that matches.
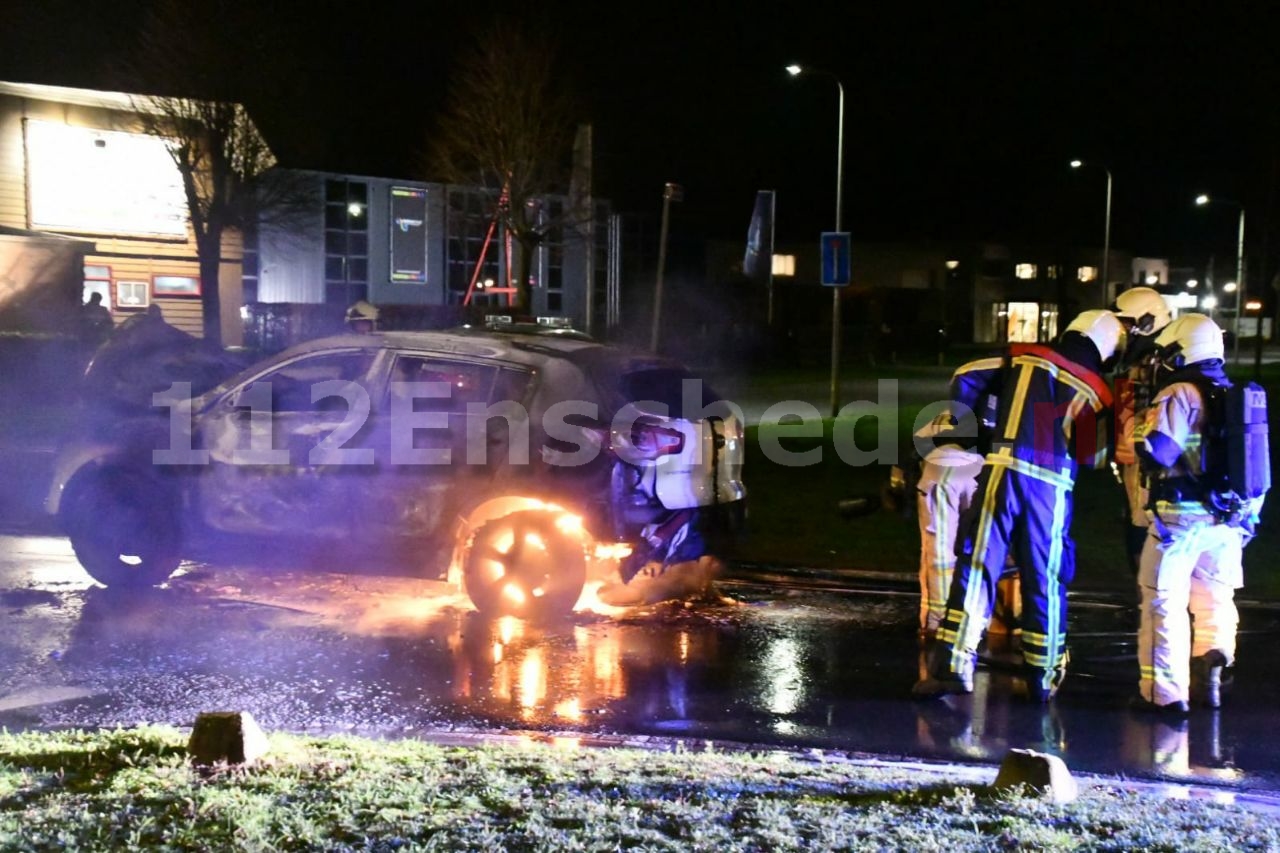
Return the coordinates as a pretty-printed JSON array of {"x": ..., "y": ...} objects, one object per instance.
[
  {"x": 1053, "y": 271},
  {"x": 1025, "y": 270},
  {"x": 1087, "y": 273},
  {"x": 784, "y": 265}
]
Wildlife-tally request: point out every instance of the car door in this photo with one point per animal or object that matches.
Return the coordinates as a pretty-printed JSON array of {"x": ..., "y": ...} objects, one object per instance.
[
  {"x": 437, "y": 448},
  {"x": 284, "y": 447}
]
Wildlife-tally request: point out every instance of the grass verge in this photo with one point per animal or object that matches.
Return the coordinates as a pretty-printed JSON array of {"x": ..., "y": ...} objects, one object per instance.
[{"x": 133, "y": 789}]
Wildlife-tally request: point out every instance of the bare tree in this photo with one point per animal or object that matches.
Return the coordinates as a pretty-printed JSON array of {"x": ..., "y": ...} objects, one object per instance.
[
  {"x": 508, "y": 127},
  {"x": 223, "y": 160}
]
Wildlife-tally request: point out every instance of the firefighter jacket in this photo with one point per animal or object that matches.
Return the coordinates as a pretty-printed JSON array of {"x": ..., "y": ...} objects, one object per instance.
[{"x": 1052, "y": 407}]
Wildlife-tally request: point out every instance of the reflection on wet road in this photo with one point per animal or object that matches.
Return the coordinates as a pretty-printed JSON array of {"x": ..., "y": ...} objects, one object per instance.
[{"x": 389, "y": 656}]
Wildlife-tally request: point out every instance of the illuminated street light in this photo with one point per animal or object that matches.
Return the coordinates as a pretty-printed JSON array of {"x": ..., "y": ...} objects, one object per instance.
[
  {"x": 1229, "y": 287},
  {"x": 1209, "y": 303},
  {"x": 795, "y": 71},
  {"x": 1202, "y": 200},
  {"x": 1192, "y": 283},
  {"x": 1153, "y": 279},
  {"x": 1106, "y": 229},
  {"x": 952, "y": 264}
]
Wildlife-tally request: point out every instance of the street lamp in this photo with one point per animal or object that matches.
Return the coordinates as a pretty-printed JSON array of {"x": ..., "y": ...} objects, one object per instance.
[
  {"x": 670, "y": 192},
  {"x": 1106, "y": 229},
  {"x": 1201, "y": 201},
  {"x": 795, "y": 71}
]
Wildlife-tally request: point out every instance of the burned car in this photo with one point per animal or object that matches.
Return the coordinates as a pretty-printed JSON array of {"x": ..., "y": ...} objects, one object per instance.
[{"x": 514, "y": 462}]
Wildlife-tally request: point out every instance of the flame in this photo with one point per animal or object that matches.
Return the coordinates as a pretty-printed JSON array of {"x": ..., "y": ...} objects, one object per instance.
[
  {"x": 589, "y": 601},
  {"x": 569, "y": 523},
  {"x": 513, "y": 592},
  {"x": 612, "y": 550},
  {"x": 570, "y": 709}
]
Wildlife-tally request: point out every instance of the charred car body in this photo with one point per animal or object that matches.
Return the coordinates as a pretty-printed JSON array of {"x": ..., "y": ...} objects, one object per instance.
[{"x": 517, "y": 462}]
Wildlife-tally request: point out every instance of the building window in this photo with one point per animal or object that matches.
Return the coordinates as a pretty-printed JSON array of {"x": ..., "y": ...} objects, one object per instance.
[
  {"x": 1024, "y": 322},
  {"x": 467, "y": 220},
  {"x": 784, "y": 265},
  {"x": 346, "y": 241},
  {"x": 1026, "y": 271},
  {"x": 133, "y": 294},
  {"x": 1054, "y": 272},
  {"x": 553, "y": 256},
  {"x": 1087, "y": 274},
  {"x": 97, "y": 279},
  {"x": 249, "y": 264}
]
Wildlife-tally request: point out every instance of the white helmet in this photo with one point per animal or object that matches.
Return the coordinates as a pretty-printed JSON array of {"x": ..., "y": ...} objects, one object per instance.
[
  {"x": 362, "y": 316},
  {"x": 1103, "y": 329},
  {"x": 1190, "y": 339},
  {"x": 1142, "y": 311}
]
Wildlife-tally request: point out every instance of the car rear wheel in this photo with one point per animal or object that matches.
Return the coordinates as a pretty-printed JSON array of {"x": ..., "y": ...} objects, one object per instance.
[
  {"x": 123, "y": 528},
  {"x": 524, "y": 564}
]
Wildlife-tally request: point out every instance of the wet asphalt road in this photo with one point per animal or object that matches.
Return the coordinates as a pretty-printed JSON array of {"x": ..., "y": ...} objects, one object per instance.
[{"x": 799, "y": 662}]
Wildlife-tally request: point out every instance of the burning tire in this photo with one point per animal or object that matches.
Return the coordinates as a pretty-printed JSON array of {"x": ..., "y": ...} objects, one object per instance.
[
  {"x": 123, "y": 528},
  {"x": 525, "y": 564}
]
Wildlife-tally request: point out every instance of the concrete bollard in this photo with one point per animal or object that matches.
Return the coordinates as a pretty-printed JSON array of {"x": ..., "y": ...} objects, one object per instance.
[
  {"x": 1044, "y": 772},
  {"x": 226, "y": 736}
]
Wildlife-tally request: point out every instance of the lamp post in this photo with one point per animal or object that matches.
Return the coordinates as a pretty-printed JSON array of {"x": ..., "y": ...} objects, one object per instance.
[
  {"x": 796, "y": 71},
  {"x": 1254, "y": 307},
  {"x": 670, "y": 192},
  {"x": 1242, "y": 285},
  {"x": 1106, "y": 231}
]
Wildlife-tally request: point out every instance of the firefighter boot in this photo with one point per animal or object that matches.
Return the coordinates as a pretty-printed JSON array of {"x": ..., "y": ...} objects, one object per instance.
[
  {"x": 940, "y": 678},
  {"x": 1206, "y": 679},
  {"x": 1042, "y": 684}
]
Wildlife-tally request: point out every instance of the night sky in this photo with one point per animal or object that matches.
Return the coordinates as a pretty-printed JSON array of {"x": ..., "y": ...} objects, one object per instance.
[{"x": 960, "y": 120}]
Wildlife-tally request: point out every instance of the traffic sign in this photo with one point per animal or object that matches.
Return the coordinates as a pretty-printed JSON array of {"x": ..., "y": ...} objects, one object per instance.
[{"x": 835, "y": 258}]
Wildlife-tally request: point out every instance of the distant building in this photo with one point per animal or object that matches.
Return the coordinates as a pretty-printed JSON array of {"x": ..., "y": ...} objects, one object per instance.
[{"x": 928, "y": 296}]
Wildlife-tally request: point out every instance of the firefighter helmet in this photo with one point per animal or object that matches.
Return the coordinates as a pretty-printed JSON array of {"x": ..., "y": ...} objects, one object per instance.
[
  {"x": 362, "y": 317},
  {"x": 1142, "y": 311},
  {"x": 1104, "y": 330},
  {"x": 1190, "y": 339}
]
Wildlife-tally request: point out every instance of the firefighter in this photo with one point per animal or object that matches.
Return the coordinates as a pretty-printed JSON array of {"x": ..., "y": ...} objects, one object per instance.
[
  {"x": 1144, "y": 314},
  {"x": 1192, "y": 556},
  {"x": 361, "y": 317},
  {"x": 944, "y": 494},
  {"x": 1052, "y": 415}
]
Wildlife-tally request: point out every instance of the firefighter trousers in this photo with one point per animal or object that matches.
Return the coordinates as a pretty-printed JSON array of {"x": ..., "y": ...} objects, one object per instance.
[
  {"x": 946, "y": 494},
  {"x": 1024, "y": 512},
  {"x": 1191, "y": 572}
]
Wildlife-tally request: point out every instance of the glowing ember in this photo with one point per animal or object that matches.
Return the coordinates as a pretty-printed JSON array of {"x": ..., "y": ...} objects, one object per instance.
[
  {"x": 513, "y": 592},
  {"x": 533, "y": 540}
]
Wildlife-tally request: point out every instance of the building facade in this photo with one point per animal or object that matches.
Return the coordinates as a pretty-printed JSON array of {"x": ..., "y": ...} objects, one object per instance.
[
  {"x": 412, "y": 243},
  {"x": 75, "y": 163}
]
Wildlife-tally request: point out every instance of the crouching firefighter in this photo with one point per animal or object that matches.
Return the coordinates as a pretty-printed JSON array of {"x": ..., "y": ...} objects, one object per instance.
[
  {"x": 1053, "y": 413},
  {"x": 953, "y": 447},
  {"x": 1203, "y": 446}
]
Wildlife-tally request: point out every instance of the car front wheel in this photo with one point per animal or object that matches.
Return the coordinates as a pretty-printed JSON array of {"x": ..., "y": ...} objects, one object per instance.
[
  {"x": 524, "y": 564},
  {"x": 123, "y": 528}
]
